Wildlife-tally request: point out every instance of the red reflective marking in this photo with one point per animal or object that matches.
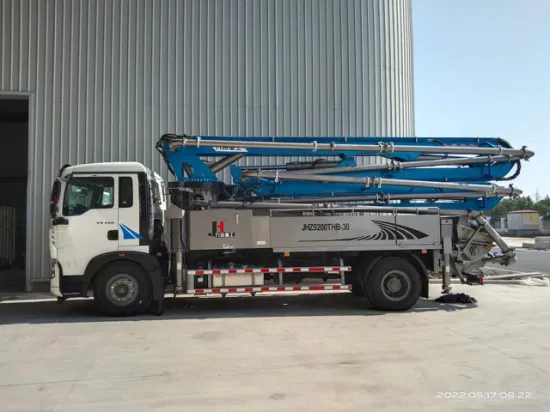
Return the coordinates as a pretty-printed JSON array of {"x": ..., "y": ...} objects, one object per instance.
[
  {"x": 336, "y": 269},
  {"x": 199, "y": 290},
  {"x": 281, "y": 289},
  {"x": 280, "y": 269},
  {"x": 264, "y": 270},
  {"x": 249, "y": 289},
  {"x": 248, "y": 270},
  {"x": 232, "y": 290},
  {"x": 316, "y": 288},
  {"x": 216, "y": 290},
  {"x": 199, "y": 272},
  {"x": 337, "y": 287},
  {"x": 316, "y": 269},
  {"x": 216, "y": 272},
  {"x": 296, "y": 269},
  {"x": 296, "y": 288},
  {"x": 264, "y": 289}
]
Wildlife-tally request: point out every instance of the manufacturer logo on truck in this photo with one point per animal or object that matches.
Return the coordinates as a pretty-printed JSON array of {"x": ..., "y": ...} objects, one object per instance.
[
  {"x": 129, "y": 234},
  {"x": 218, "y": 230}
]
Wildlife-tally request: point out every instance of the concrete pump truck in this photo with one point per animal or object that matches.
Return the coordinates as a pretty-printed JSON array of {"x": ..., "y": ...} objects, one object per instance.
[{"x": 329, "y": 222}]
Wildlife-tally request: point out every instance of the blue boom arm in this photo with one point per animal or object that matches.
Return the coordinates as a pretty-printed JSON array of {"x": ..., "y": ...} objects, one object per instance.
[{"x": 428, "y": 167}]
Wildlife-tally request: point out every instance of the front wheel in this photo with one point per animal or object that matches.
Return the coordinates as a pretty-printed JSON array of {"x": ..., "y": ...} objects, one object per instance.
[
  {"x": 122, "y": 289},
  {"x": 393, "y": 284}
]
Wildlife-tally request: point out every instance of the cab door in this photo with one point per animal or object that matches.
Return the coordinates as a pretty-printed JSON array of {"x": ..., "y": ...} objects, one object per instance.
[
  {"x": 87, "y": 222},
  {"x": 130, "y": 237}
]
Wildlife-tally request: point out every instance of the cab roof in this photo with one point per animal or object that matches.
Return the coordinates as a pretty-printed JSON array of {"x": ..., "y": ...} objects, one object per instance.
[{"x": 107, "y": 167}]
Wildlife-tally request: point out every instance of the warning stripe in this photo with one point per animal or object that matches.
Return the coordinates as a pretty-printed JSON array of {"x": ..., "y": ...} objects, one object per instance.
[
  {"x": 270, "y": 270},
  {"x": 270, "y": 289}
]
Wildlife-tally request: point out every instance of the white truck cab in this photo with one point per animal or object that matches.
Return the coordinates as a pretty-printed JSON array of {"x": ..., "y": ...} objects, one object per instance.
[{"x": 107, "y": 221}]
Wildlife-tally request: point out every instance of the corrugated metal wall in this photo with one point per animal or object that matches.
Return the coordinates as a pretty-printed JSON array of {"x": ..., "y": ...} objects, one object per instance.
[{"x": 108, "y": 77}]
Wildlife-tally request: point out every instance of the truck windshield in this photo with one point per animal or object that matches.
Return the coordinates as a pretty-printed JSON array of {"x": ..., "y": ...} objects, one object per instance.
[{"x": 85, "y": 193}]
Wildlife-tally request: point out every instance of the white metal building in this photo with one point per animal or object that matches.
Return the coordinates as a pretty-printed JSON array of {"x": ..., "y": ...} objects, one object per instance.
[{"x": 101, "y": 80}]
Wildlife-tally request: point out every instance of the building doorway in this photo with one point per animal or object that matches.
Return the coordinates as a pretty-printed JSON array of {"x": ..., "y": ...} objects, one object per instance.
[{"x": 14, "y": 148}]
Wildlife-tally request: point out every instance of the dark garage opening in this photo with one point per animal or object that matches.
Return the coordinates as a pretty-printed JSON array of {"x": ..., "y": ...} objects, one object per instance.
[{"x": 14, "y": 146}]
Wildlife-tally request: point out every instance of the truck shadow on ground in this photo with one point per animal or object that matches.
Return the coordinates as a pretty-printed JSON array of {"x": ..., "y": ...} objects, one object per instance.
[{"x": 329, "y": 304}]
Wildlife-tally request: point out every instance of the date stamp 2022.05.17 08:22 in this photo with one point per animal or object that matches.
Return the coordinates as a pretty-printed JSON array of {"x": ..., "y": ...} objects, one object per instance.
[{"x": 484, "y": 395}]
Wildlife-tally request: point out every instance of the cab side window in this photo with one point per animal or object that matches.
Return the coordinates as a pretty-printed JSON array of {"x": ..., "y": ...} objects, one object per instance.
[
  {"x": 125, "y": 192},
  {"x": 85, "y": 193}
]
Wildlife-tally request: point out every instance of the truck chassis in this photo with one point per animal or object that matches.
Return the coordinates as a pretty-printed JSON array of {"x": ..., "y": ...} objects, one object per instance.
[{"x": 310, "y": 226}]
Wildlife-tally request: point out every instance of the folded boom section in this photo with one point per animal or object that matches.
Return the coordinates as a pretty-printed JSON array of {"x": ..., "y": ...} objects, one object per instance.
[{"x": 449, "y": 173}]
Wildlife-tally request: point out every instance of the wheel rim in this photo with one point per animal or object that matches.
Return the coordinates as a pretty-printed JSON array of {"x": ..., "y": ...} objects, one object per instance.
[
  {"x": 122, "y": 289},
  {"x": 396, "y": 285}
]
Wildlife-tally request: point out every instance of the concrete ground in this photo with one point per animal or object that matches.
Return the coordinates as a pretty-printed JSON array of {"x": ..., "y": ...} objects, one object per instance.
[
  {"x": 532, "y": 261},
  {"x": 316, "y": 352},
  {"x": 518, "y": 241},
  {"x": 528, "y": 260}
]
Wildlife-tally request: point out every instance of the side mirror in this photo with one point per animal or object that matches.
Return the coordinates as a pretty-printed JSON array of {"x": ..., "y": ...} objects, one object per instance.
[
  {"x": 56, "y": 190},
  {"x": 53, "y": 210}
]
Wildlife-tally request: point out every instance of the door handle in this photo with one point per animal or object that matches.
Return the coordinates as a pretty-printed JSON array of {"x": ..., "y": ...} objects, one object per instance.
[
  {"x": 60, "y": 221},
  {"x": 112, "y": 235}
]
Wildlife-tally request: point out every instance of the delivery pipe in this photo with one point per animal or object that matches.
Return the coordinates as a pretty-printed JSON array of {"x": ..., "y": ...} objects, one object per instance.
[
  {"x": 349, "y": 147},
  {"x": 387, "y": 198},
  {"x": 414, "y": 164},
  {"x": 300, "y": 206},
  {"x": 380, "y": 181}
]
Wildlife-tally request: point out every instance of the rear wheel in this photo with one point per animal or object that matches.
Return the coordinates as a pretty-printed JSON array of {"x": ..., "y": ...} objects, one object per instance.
[
  {"x": 122, "y": 289},
  {"x": 393, "y": 284},
  {"x": 357, "y": 289}
]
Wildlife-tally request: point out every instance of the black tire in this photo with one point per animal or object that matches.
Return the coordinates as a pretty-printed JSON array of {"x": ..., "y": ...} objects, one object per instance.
[
  {"x": 158, "y": 307},
  {"x": 393, "y": 284},
  {"x": 122, "y": 289},
  {"x": 357, "y": 289}
]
